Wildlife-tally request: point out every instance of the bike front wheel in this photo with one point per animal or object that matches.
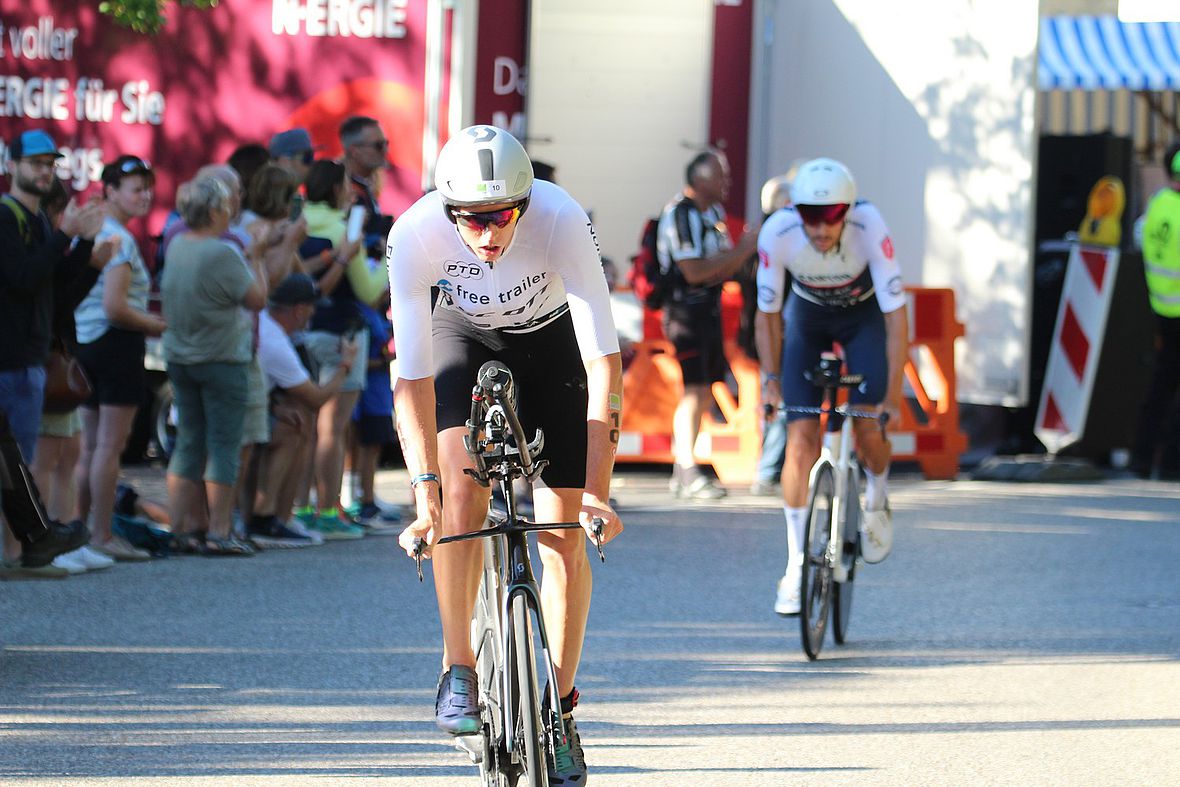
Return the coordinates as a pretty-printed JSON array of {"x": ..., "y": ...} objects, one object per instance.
[
  {"x": 489, "y": 666},
  {"x": 815, "y": 591},
  {"x": 527, "y": 710}
]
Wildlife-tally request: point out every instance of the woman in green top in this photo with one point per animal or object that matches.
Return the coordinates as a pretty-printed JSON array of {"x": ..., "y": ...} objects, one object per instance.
[{"x": 208, "y": 347}]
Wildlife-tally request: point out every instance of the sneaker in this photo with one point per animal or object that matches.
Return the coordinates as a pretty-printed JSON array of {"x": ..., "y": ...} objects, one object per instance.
[
  {"x": 70, "y": 562},
  {"x": 786, "y": 600},
  {"x": 332, "y": 529},
  {"x": 271, "y": 533},
  {"x": 93, "y": 559},
  {"x": 373, "y": 519},
  {"x": 296, "y": 526},
  {"x": 377, "y": 509},
  {"x": 62, "y": 537},
  {"x": 456, "y": 710},
  {"x": 762, "y": 488},
  {"x": 568, "y": 766},
  {"x": 701, "y": 488},
  {"x": 120, "y": 549},
  {"x": 876, "y": 531},
  {"x": 304, "y": 516},
  {"x": 14, "y": 569}
]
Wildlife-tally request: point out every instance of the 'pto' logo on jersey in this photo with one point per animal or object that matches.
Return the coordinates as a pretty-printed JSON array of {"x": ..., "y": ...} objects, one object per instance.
[
  {"x": 444, "y": 285},
  {"x": 887, "y": 247},
  {"x": 464, "y": 270}
]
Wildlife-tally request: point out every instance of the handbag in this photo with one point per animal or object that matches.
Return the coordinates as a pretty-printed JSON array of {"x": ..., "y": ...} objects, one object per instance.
[{"x": 66, "y": 383}]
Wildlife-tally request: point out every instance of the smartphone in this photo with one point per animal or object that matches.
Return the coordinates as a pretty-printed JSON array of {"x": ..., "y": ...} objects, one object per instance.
[
  {"x": 356, "y": 223},
  {"x": 296, "y": 207}
]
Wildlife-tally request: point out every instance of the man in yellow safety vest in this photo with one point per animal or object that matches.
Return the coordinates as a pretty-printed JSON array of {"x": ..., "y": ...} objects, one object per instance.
[{"x": 1160, "y": 421}]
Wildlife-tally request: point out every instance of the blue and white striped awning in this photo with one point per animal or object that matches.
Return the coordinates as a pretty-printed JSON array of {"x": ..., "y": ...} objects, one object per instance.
[{"x": 1102, "y": 53}]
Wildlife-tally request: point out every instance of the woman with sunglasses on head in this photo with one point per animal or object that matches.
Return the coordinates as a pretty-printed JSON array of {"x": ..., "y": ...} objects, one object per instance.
[
  {"x": 345, "y": 277},
  {"x": 516, "y": 264},
  {"x": 846, "y": 287},
  {"x": 113, "y": 322}
]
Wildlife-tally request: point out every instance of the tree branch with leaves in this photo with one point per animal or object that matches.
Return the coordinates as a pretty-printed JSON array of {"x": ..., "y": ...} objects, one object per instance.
[{"x": 145, "y": 16}]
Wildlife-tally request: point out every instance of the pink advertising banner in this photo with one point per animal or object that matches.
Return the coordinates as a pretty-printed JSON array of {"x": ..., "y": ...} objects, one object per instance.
[{"x": 212, "y": 80}]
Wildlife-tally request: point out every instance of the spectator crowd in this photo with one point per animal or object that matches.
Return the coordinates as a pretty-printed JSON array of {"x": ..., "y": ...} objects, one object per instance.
[{"x": 271, "y": 308}]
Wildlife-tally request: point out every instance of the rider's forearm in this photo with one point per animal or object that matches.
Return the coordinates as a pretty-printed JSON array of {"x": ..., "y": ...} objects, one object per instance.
[
  {"x": 768, "y": 340},
  {"x": 604, "y": 417},
  {"x": 417, "y": 430},
  {"x": 897, "y": 340}
]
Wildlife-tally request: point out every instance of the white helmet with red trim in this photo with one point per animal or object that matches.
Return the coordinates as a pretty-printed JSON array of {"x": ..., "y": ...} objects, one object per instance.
[
  {"x": 483, "y": 165},
  {"x": 823, "y": 181}
]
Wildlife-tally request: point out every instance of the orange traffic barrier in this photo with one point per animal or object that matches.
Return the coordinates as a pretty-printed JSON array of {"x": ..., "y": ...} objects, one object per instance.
[{"x": 927, "y": 434}]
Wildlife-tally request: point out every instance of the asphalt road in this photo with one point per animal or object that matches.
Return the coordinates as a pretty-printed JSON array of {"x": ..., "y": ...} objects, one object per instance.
[{"x": 1019, "y": 634}]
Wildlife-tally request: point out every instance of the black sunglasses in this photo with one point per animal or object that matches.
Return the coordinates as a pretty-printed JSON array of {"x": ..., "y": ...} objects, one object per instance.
[
  {"x": 381, "y": 144},
  {"x": 307, "y": 157}
]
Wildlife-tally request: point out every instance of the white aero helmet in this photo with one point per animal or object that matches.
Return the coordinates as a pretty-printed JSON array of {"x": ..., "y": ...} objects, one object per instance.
[
  {"x": 823, "y": 181},
  {"x": 483, "y": 165}
]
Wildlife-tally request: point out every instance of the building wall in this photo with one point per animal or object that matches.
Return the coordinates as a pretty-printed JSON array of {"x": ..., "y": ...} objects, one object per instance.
[
  {"x": 937, "y": 125},
  {"x": 618, "y": 100}
]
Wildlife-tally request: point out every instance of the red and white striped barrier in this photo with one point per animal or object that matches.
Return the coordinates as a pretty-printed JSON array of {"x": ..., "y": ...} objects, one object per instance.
[{"x": 1077, "y": 343}]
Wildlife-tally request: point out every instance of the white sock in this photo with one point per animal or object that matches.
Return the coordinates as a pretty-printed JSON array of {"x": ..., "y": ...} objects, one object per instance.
[
  {"x": 796, "y": 532},
  {"x": 876, "y": 489}
]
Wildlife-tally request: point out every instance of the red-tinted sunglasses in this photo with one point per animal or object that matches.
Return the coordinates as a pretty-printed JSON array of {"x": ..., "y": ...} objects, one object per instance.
[
  {"x": 478, "y": 222},
  {"x": 822, "y": 214}
]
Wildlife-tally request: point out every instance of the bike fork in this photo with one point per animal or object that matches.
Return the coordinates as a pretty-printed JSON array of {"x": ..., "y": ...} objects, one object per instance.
[{"x": 552, "y": 724}]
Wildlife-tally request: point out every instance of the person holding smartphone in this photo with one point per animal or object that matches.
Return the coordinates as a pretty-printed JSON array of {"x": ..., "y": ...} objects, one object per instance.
[{"x": 346, "y": 278}]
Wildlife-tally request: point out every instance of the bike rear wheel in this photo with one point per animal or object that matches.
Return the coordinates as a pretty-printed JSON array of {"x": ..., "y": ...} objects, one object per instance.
[
  {"x": 815, "y": 592},
  {"x": 527, "y": 710}
]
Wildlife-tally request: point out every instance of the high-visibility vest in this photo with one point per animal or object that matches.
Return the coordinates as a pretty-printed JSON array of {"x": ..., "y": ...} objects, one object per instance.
[{"x": 1161, "y": 252}]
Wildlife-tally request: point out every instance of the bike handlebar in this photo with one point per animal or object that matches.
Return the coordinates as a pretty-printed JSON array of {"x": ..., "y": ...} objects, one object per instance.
[{"x": 505, "y": 527}]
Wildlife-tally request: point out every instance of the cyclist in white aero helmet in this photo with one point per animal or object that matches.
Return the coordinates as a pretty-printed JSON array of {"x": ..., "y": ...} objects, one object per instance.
[
  {"x": 845, "y": 287},
  {"x": 516, "y": 265},
  {"x": 483, "y": 166}
]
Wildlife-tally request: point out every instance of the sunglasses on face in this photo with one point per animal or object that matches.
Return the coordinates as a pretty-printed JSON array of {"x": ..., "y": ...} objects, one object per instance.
[
  {"x": 822, "y": 214},
  {"x": 478, "y": 222},
  {"x": 307, "y": 157},
  {"x": 381, "y": 145}
]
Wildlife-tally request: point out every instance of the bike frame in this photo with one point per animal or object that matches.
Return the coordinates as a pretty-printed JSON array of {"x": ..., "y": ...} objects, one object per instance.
[
  {"x": 837, "y": 450},
  {"x": 507, "y": 557}
]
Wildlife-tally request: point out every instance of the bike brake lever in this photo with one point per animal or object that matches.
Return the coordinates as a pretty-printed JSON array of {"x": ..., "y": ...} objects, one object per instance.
[
  {"x": 596, "y": 525},
  {"x": 419, "y": 548}
]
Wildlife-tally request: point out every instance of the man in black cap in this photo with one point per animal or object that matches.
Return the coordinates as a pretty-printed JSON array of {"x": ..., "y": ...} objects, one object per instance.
[
  {"x": 292, "y": 150},
  {"x": 294, "y": 400},
  {"x": 32, "y": 256}
]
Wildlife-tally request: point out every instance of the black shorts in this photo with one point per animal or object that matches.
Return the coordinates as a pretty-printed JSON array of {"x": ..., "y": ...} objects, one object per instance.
[
  {"x": 695, "y": 332},
  {"x": 549, "y": 378},
  {"x": 375, "y": 430},
  {"x": 114, "y": 364}
]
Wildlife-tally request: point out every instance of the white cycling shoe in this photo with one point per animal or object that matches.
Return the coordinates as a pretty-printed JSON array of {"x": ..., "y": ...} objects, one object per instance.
[
  {"x": 876, "y": 534},
  {"x": 786, "y": 601}
]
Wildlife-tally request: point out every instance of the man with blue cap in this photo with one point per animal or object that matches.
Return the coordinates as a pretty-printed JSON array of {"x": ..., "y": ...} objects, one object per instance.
[
  {"x": 33, "y": 255},
  {"x": 292, "y": 150}
]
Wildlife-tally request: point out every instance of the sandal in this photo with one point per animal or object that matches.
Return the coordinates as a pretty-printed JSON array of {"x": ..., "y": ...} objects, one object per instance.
[{"x": 228, "y": 546}]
